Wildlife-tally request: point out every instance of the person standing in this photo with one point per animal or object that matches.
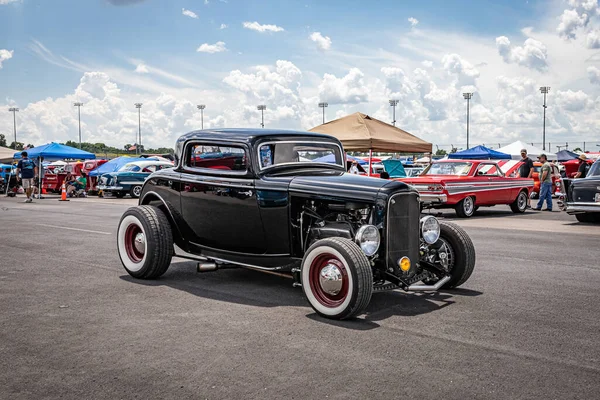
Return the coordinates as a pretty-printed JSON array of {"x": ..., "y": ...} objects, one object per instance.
[
  {"x": 27, "y": 169},
  {"x": 545, "y": 184},
  {"x": 526, "y": 169},
  {"x": 354, "y": 167},
  {"x": 39, "y": 178},
  {"x": 583, "y": 167}
]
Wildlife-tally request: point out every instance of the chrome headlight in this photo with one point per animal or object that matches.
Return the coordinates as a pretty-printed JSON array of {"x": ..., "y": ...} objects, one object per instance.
[
  {"x": 430, "y": 229},
  {"x": 368, "y": 239}
]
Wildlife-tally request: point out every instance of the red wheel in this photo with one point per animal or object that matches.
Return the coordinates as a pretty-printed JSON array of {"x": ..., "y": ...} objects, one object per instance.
[
  {"x": 337, "y": 278},
  {"x": 135, "y": 242}
]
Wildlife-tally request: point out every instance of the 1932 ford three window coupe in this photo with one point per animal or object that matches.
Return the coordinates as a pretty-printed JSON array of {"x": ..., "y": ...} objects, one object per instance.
[{"x": 253, "y": 199}]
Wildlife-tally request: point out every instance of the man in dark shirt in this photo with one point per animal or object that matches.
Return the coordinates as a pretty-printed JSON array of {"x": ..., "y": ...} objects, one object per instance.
[
  {"x": 583, "y": 167},
  {"x": 526, "y": 169},
  {"x": 27, "y": 169}
]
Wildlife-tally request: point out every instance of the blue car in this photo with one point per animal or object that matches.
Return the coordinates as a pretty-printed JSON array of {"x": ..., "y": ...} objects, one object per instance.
[{"x": 130, "y": 178}]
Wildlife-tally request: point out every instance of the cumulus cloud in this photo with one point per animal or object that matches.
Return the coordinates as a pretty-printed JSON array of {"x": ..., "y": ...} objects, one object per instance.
[
  {"x": 413, "y": 22},
  {"x": 141, "y": 69},
  {"x": 570, "y": 21},
  {"x": 593, "y": 75},
  {"x": 427, "y": 64},
  {"x": 212, "y": 48},
  {"x": 3, "y": 2},
  {"x": 5, "y": 55},
  {"x": 223, "y": 26},
  {"x": 593, "y": 39},
  {"x": 189, "y": 13},
  {"x": 465, "y": 72},
  {"x": 349, "y": 89},
  {"x": 255, "y": 26},
  {"x": 323, "y": 42},
  {"x": 572, "y": 101},
  {"x": 533, "y": 54}
]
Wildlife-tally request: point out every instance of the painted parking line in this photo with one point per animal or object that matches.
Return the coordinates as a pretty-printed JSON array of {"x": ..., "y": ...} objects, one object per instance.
[{"x": 75, "y": 229}]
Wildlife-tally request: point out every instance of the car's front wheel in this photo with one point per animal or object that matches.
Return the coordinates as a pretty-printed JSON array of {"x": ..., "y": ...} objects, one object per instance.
[
  {"x": 135, "y": 191},
  {"x": 460, "y": 253},
  {"x": 520, "y": 204},
  {"x": 145, "y": 242},
  {"x": 337, "y": 278},
  {"x": 466, "y": 207}
]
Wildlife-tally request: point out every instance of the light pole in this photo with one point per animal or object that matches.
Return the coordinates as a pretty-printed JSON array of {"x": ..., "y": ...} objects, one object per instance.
[
  {"x": 467, "y": 97},
  {"x": 544, "y": 90},
  {"x": 323, "y": 105},
  {"x": 14, "y": 110},
  {"x": 262, "y": 109},
  {"x": 78, "y": 105},
  {"x": 139, "y": 107},
  {"x": 201, "y": 107},
  {"x": 394, "y": 103}
]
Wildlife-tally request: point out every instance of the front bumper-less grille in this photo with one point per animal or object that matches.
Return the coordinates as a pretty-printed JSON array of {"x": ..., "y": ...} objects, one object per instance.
[{"x": 402, "y": 230}]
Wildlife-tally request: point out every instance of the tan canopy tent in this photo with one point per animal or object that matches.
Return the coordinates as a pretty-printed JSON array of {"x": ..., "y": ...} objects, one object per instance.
[
  {"x": 359, "y": 132},
  {"x": 6, "y": 154}
]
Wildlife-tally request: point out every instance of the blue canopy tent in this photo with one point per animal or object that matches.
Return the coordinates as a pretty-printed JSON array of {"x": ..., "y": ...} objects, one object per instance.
[
  {"x": 56, "y": 151},
  {"x": 394, "y": 168},
  {"x": 331, "y": 159},
  {"x": 114, "y": 165},
  {"x": 479, "y": 153},
  {"x": 566, "y": 155},
  {"x": 53, "y": 152}
]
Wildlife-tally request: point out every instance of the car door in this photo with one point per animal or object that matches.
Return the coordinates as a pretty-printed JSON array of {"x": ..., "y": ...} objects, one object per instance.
[
  {"x": 492, "y": 185},
  {"x": 218, "y": 198}
]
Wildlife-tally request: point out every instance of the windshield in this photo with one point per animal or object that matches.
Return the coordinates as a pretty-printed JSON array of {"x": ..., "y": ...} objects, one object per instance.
[
  {"x": 448, "y": 168},
  {"x": 595, "y": 169},
  {"x": 281, "y": 153}
]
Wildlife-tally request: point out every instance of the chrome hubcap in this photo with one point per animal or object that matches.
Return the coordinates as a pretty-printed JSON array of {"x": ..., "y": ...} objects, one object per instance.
[
  {"x": 468, "y": 205},
  {"x": 140, "y": 242},
  {"x": 330, "y": 279},
  {"x": 137, "y": 190},
  {"x": 522, "y": 201}
]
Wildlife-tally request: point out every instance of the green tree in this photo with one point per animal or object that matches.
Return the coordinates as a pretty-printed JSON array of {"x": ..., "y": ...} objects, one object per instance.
[
  {"x": 19, "y": 145},
  {"x": 441, "y": 152},
  {"x": 2, "y": 140}
]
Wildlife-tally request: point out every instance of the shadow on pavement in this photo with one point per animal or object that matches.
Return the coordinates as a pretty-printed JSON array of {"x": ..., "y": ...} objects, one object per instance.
[{"x": 253, "y": 288}]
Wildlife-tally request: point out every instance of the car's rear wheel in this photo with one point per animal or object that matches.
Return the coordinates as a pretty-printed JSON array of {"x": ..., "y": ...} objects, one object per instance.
[
  {"x": 145, "y": 242},
  {"x": 466, "y": 207},
  {"x": 588, "y": 217},
  {"x": 337, "y": 278},
  {"x": 460, "y": 253},
  {"x": 135, "y": 191},
  {"x": 520, "y": 204}
]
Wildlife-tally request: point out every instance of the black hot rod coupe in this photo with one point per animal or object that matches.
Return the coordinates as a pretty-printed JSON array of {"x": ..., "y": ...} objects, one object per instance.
[
  {"x": 582, "y": 196},
  {"x": 254, "y": 199}
]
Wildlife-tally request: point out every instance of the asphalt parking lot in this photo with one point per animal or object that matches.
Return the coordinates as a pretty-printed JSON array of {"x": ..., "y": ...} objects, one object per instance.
[{"x": 74, "y": 325}]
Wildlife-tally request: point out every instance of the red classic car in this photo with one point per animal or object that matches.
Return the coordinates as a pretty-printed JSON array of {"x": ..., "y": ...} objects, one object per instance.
[
  {"x": 511, "y": 169},
  {"x": 466, "y": 185}
]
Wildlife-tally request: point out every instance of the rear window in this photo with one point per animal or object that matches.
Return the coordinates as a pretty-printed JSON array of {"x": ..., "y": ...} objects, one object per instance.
[{"x": 217, "y": 157}]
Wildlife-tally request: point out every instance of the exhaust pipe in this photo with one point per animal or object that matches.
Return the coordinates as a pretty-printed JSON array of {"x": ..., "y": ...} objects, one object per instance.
[
  {"x": 429, "y": 288},
  {"x": 207, "y": 267}
]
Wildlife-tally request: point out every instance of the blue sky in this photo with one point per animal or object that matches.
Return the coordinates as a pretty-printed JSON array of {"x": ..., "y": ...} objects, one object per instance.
[{"x": 353, "y": 54}]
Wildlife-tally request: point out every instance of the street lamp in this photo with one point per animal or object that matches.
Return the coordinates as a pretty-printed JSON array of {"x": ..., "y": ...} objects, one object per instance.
[
  {"x": 78, "y": 105},
  {"x": 323, "y": 105},
  {"x": 139, "y": 107},
  {"x": 544, "y": 90},
  {"x": 262, "y": 109},
  {"x": 201, "y": 107},
  {"x": 394, "y": 103},
  {"x": 467, "y": 97},
  {"x": 14, "y": 110}
]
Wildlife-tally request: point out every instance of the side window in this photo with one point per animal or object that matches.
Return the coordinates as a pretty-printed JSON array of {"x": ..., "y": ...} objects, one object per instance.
[
  {"x": 227, "y": 158},
  {"x": 487, "y": 170}
]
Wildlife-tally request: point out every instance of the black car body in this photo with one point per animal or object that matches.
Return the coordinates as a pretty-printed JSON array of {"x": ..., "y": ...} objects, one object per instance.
[
  {"x": 582, "y": 196},
  {"x": 243, "y": 198}
]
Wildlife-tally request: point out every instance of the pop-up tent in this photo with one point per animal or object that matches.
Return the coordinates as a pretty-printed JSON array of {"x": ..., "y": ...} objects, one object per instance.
[
  {"x": 566, "y": 155},
  {"x": 514, "y": 149},
  {"x": 114, "y": 165},
  {"x": 479, "y": 153},
  {"x": 6, "y": 154},
  {"x": 56, "y": 151},
  {"x": 359, "y": 132}
]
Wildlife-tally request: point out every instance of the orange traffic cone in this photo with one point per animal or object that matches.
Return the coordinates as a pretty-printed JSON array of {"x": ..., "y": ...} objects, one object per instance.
[{"x": 63, "y": 194}]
